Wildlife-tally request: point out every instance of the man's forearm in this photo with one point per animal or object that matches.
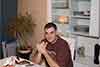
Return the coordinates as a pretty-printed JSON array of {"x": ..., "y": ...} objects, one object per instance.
[
  {"x": 37, "y": 58},
  {"x": 50, "y": 61}
]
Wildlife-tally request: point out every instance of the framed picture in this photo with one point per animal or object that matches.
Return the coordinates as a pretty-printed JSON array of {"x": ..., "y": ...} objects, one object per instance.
[{"x": 60, "y": 4}]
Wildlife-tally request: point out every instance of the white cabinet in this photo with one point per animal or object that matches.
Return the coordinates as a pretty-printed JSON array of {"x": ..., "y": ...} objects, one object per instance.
[
  {"x": 88, "y": 43},
  {"x": 83, "y": 15},
  {"x": 95, "y": 18}
]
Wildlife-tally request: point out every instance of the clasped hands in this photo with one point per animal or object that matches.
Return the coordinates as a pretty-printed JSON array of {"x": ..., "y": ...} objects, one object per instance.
[{"x": 41, "y": 47}]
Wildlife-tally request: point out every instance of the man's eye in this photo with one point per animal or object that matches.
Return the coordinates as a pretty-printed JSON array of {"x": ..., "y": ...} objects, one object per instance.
[{"x": 52, "y": 32}]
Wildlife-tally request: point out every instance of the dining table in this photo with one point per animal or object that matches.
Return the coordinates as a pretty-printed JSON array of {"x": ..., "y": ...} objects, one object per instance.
[{"x": 11, "y": 62}]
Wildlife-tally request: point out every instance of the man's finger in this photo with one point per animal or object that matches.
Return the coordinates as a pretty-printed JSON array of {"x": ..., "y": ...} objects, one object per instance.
[
  {"x": 45, "y": 45},
  {"x": 42, "y": 43}
]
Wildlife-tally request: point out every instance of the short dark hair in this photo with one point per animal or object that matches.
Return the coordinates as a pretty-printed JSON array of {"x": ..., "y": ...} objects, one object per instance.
[{"x": 49, "y": 25}]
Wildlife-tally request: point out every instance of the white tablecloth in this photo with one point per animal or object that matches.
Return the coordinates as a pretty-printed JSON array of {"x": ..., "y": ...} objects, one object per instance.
[
  {"x": 35, "y": 65},
  {"x": 9, "y": 61}
]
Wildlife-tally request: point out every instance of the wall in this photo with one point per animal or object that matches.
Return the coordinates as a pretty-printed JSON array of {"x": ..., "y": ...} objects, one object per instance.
[{"x": 38, "y": 10}]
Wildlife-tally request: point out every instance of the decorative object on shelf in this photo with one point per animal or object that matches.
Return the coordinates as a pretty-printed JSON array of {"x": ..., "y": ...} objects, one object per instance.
[
  {"x": 81, "y": 28},
  {"x": 63, "y": 19},
  {"x": 86, "y": 13},
  {"x": 22, "y": 28},
  {"x": 82, "y": 13},
  {"x": 81, "y": 51},
  {"x": 60, "y": 4},
  {"x": 78, "y": 13}
]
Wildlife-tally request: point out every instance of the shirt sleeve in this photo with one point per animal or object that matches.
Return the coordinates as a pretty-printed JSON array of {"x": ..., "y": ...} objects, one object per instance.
[{"x": 63, "y": 55}]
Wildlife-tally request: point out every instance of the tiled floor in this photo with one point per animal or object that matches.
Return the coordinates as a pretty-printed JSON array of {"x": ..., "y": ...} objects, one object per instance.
[{"x": 85, "y": 62}]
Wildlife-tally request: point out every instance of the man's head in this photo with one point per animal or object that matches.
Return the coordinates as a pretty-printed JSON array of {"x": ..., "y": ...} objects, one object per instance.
[{"x": 50, "y": 30}]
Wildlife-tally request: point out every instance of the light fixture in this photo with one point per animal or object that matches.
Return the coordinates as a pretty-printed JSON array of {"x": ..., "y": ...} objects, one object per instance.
[{"x": 63, "y": 19}]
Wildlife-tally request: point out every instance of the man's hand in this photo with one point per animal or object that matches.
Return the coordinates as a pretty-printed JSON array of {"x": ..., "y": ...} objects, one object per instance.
[{"x": 42, "y": 47}]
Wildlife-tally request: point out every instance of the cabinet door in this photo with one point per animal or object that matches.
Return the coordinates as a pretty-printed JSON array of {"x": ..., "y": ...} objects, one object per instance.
[
  {"x": 95, "y": 18},
  {"x": 88, "y": 43}
]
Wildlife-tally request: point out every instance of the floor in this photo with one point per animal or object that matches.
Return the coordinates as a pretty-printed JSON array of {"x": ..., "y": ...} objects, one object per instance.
[{"x": 85, "y": 62}]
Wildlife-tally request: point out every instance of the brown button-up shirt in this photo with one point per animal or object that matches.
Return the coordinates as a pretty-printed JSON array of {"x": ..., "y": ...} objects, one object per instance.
[{"x": 60, "y": 52}]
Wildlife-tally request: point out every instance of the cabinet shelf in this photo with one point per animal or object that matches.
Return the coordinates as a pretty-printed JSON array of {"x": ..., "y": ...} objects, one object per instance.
[
  {"x": 81, "y": 33},
  {"x": 62, "y": 1},
  {"x": 83, "y": 0},
  {"x": 60, "y": 4},
  {"x": 81, "y": 17},
  {"x": 84, "y": 34}
]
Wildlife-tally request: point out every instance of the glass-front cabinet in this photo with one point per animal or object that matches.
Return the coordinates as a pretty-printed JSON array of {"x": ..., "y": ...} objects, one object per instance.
[
  {"x": 80, "y": 17},
  {"x": 60, "y": 14}
]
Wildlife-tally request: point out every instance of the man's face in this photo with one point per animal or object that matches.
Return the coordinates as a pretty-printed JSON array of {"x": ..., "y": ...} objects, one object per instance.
[{"x": 50, "y": 34}]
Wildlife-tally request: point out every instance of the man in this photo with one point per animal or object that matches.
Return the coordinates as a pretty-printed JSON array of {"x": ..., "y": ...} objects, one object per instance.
[{"x": 53, "y": 49}]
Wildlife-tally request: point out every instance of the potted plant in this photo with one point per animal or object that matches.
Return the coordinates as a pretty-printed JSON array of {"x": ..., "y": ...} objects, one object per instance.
[{"x": 22, "y": 28}]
